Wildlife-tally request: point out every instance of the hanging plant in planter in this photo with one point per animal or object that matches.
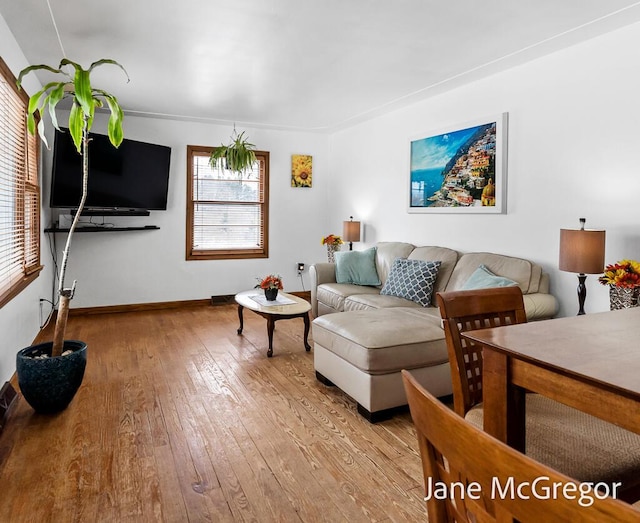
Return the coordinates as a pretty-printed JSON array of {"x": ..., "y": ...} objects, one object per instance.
[
  {"x": 239, "y": 156},
  {"x": 49, "y": 374}
]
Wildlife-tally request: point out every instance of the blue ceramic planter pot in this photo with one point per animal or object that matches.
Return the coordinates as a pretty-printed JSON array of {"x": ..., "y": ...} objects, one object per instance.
[{"x": 49, "y": 384}]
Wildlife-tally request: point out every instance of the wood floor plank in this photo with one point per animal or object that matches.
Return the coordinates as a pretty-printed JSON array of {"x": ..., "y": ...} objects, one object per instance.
[
  {"x": 192, "y": 473},
  {"x": 179, "y": 418},
  {"x": 285, "y": 459},
  {"x": 234, "y": 452}
]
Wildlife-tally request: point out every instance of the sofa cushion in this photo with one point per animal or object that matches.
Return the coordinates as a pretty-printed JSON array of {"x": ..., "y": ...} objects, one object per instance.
[
  {"x": 357, "y": 267},
  {"x": 334, "y": 294},
  {"x": 363, "y": 302},
  {"x": 412, "y": 280},
  {"x": 483, "y": 278},
  {"x": 447, "y": 257},
  {"x": 387, "y": 252},
  {"x": 365, "y": 339},
  {"x": 515, "y": 269}
]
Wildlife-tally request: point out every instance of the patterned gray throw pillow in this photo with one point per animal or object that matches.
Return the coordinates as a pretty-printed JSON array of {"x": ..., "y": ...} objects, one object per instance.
[{"x": 412, "y": 279}]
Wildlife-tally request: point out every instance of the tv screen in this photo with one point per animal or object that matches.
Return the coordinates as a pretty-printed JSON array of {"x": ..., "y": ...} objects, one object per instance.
[{"x": 133, "y": 176}]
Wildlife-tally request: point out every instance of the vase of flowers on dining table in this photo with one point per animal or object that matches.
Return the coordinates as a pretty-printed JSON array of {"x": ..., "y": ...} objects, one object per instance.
[
  {"x": 333, "y": 243},
  {"x": 623, "y": 279}
]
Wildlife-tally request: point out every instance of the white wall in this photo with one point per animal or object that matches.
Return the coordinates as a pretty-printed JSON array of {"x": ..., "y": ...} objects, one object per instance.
[
  {"x": 115, "y": 268},
  {"x": 20, "y": 318},
  {"x": 573, "y": 152}
]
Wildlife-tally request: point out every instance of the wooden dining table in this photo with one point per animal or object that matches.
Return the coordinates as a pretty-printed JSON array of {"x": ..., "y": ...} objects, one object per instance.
[{"x": 589, "y": 362}]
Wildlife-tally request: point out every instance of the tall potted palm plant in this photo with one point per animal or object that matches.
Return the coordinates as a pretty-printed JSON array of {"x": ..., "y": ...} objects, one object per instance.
[{"x": 49, "y": 374}]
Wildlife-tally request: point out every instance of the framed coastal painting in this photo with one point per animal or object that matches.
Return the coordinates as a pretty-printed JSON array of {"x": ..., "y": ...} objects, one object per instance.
[{"x": 460, "y": 169}]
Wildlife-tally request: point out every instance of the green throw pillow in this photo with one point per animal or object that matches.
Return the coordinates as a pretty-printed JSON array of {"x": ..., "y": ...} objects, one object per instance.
[
  {"x": 483, "y": 278},
  {"x": 357, "y": 267}
]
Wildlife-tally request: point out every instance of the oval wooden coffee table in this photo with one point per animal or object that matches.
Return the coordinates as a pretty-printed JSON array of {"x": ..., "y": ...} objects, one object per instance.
[{"x": 286, "y": 307}]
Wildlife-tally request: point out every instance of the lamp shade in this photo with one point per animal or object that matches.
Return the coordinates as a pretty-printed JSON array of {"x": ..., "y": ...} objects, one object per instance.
[
  {"x": 582, "y": 251},
  {"x": 351, "y": 231}
]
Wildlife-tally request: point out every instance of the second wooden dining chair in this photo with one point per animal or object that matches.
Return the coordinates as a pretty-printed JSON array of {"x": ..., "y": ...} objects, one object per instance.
[
  {"x": 488, "y": 481},
  {"x": 577, "y": 444}
]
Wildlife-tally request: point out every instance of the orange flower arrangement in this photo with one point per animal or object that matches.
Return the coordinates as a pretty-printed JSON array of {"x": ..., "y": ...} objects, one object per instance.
[
  {"x": 273, "y": 281},
  {"x": 332, "y": 239},
  {"x": 625, "y": 273}
]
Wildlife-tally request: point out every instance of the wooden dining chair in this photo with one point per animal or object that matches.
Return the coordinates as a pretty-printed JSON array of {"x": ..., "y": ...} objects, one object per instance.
[
  {"x": 470, "y": 464},
  {"x": 563, "y": 438}
]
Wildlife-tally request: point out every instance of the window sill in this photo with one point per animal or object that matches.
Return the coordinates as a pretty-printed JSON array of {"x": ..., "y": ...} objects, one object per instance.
[{"x": 18, "y": 287}]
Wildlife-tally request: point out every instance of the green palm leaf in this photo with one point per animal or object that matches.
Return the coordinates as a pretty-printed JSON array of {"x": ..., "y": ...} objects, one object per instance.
[
  {"x": 54, "y": 97},
  {"x": 27, "y": 70},
  {"x": 114, "y": 129},
  {"x": 82, "y": 86},
  {"x": 76, "y": 124},
  {"x": 108, "y": 61}
]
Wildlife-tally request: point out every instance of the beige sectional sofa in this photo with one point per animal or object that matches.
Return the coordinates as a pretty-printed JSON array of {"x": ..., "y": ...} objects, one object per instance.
[{"x": 363, "y": 339}]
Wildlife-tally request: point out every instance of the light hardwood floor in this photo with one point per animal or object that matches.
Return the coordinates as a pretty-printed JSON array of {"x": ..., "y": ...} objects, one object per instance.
[{"x": 180, "y": 419}]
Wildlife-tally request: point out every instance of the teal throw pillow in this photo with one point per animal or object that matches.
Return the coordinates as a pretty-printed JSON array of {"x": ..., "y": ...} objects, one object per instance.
[
  {"x": 412, "y": 280},
  {"x": 357, "y": 267},
  {"x": 483, "y": 278}
]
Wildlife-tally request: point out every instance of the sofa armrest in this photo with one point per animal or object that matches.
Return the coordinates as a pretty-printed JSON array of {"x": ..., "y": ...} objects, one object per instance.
[
  {"x": 320, "y": 273},
  {"x": 540, "y": 306},
  {"x": 544, "y": 286}
]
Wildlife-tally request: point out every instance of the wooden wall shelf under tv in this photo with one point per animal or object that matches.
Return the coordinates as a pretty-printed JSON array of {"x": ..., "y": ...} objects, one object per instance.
[{"x": 98, "y": 228}]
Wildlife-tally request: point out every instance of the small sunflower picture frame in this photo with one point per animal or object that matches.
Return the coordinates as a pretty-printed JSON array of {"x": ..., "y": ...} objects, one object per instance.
[{"x": 301, "y": 170}]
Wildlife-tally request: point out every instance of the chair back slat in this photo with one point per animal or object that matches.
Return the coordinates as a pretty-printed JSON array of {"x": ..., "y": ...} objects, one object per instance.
[
  {"x": 453, "y": 450},
  {"x": 463, "y": 311}
]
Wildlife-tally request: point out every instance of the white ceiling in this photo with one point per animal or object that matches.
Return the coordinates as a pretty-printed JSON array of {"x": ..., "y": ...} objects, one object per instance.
[{"x": 299, "y": 64}]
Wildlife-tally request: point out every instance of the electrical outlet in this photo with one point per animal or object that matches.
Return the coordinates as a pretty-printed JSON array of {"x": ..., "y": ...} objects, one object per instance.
[{"x": 300, "y": 267}]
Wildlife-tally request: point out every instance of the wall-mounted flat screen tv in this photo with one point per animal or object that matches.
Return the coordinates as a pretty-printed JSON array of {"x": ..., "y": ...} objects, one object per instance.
[{"x": 132, "y": 177}]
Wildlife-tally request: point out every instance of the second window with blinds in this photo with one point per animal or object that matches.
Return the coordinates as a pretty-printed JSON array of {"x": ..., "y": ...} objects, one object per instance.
[
  {"x": 227, "y": 212},
  {"x": 19, "y": 192}
]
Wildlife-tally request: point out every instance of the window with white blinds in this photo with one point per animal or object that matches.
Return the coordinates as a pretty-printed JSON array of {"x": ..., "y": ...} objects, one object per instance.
[
  {"x": 19, "y": 192},
  {"x": 227, "y": 212}
]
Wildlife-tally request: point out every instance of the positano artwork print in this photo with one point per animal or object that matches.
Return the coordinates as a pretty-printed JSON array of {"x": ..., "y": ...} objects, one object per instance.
[{"x": 460, "y": 170}]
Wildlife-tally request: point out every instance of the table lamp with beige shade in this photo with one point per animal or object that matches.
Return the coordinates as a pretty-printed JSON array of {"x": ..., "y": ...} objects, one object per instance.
[
  {"x": 582, "y": 252},
  {"x": 351, "y": 232}
]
